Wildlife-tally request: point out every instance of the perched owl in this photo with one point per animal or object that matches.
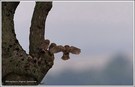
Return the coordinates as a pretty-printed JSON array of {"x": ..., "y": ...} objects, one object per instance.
[
  {"x": 44, "y": 45},
  {"x": 52, "y": 45}
]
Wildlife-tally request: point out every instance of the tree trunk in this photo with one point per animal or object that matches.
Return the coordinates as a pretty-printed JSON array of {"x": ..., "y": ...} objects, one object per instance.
[{"x": 18, "y": 67}]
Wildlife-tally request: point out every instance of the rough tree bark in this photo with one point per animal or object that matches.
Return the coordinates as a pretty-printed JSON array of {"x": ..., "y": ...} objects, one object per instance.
[{"x": 18, "y": 67}]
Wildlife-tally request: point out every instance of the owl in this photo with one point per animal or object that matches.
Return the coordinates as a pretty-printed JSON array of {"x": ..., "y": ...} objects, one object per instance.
[
  {"x": 44, "y": 45},
  {"x": 52, "y": 45},
  {"x": 67, "y": 50}
]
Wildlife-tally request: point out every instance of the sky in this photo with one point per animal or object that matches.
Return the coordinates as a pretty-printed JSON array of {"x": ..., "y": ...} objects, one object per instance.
[{"x": 100, "y": 29}]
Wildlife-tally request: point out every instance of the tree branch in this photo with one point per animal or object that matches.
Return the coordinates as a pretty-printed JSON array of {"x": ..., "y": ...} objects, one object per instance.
[
  {"x": 8, "y": 33},
  {"x": 37, "y": 28}
]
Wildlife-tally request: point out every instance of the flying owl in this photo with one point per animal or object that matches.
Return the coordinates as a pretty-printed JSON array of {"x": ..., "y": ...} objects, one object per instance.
[{"x": 67, "y": 49}]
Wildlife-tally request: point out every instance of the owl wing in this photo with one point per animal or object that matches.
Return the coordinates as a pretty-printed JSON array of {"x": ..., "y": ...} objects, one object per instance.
[
  {"x": 75, "y": 50},
  {"x": 57, "y": 49}
]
